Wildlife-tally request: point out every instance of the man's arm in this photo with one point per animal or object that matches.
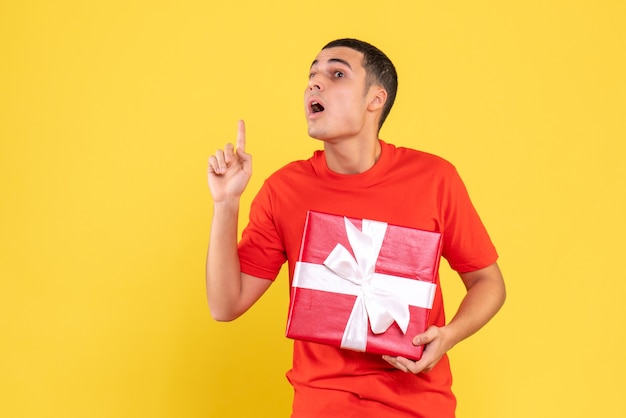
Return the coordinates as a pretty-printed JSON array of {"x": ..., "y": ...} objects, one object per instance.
[
  {"x": 229, "y": 291},
  {"x": 485, "y": 295}
]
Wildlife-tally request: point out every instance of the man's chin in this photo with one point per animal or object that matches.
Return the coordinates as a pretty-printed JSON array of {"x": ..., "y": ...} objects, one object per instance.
[{"x": 317, "y": 134}]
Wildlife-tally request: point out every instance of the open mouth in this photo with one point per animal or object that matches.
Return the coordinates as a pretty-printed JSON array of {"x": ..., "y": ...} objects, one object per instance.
[{"x": 316, "y": 107}]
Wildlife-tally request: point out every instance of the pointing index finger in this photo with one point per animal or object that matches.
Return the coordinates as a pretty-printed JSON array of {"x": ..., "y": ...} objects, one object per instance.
[{"x": 241, "y": 135}]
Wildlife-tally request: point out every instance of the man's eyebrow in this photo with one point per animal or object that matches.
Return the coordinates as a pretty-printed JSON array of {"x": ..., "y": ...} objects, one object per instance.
[{"x": 337, "y": 60}]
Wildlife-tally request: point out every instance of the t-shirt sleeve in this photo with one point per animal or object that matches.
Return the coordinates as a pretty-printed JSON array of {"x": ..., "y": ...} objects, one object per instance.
[
  {"x": 261, "y": 249},
  {"x": 466, "y": 243}
]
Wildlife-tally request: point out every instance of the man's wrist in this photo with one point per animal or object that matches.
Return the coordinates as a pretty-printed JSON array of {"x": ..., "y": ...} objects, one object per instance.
[{"x": 228, "y": 204}]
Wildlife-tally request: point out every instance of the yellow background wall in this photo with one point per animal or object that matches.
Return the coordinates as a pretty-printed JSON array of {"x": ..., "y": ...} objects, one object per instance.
[{"x": 109, "y": 110}]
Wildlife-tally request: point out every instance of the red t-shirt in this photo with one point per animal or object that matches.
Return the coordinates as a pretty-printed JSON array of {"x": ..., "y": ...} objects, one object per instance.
[{"x": 405, "y": 187}]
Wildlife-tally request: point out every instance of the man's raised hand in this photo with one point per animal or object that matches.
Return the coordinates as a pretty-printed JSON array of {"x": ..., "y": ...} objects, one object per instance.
[{"x": 230, "y": 169}]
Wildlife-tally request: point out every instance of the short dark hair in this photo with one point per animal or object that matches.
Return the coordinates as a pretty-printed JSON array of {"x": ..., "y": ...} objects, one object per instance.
[{"x": 378, "y": 67}]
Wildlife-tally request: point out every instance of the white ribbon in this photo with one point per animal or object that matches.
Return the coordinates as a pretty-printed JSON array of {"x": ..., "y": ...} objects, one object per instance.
[{"x": 381, "y": 298}]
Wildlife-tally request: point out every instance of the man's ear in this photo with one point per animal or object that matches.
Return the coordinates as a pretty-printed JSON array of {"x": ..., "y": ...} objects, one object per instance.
[{"x": 378, "y": 98}]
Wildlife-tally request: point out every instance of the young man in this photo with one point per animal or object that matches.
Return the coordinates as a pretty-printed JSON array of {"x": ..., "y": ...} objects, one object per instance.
[{"x": 351, "y": 88}]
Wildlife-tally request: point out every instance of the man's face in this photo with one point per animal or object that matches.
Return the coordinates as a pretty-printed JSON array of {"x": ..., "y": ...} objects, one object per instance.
[{"x": 335, "y": 100}]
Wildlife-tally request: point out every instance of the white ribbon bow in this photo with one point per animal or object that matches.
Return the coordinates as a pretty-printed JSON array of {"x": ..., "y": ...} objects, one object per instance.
[{"x": 381, "y": 299}]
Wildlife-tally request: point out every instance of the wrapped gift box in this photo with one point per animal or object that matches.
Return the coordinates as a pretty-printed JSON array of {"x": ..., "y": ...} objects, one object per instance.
[{"x": 363, "y": 285}]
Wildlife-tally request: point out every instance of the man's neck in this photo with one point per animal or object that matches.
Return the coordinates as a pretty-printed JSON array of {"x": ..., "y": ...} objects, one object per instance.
[{"x": 352, "y": 156}]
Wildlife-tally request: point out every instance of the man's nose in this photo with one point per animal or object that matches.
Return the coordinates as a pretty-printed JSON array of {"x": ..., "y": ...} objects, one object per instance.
[{"x": 315, "y": 83}]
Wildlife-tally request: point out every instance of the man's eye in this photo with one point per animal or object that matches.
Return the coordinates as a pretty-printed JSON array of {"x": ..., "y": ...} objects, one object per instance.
[
  {"x": 338, "y": 74},
  {"x": 311, "y": 75}
]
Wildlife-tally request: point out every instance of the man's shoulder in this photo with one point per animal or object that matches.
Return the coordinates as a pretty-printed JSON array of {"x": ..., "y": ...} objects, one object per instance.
[
  {"x": 421, "y": 158},
  {"x": 291, "y": 170}
]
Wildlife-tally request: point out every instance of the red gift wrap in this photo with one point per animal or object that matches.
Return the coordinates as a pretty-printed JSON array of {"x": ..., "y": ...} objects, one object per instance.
[{"x": 363, "y": 285}]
